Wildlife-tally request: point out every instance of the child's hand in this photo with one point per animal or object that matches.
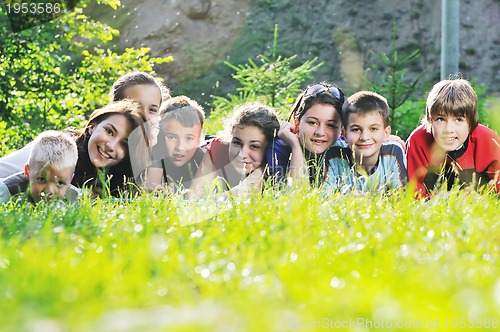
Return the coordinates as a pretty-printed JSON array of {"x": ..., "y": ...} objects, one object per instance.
[
  {"x": 287, "y": 134},
  {"x": 251, "y": 182}
]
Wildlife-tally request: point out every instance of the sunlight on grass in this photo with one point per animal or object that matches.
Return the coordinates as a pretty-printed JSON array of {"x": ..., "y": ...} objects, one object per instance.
[{"x": 290, "y": 260}]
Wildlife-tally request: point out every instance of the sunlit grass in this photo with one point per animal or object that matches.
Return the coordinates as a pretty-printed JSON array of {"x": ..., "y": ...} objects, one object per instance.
[{"x": 275, "y": 262}]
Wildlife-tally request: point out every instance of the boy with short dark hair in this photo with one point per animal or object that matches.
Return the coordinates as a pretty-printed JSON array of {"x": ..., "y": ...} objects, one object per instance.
[
  {"x": 368, "y": 162},
  {"x": 50, "y": 169},
  {"x": 177, "y": 154},
  {"x": 451, "y": 146}
]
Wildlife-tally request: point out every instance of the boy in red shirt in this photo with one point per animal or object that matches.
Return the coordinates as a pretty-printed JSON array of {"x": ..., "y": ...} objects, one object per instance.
[{"x": 451, "y": 146}]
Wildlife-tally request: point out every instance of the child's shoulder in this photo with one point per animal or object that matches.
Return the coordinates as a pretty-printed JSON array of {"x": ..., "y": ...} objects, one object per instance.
[
  {"x": 481, "y": 132},
  {"x": 338, "y": 151},
  {"x": 391, "y": 147}
]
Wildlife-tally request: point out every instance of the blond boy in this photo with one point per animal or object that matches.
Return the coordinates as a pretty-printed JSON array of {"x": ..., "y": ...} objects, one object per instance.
[{"x": 49, "y": 171}]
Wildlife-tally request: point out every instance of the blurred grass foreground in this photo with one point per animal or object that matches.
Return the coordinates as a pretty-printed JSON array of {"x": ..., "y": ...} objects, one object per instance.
[{"x": 280, "y": 261}]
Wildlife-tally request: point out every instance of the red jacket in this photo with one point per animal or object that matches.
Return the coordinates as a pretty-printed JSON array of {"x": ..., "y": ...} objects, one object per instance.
[{"x": 478, "y": 160}]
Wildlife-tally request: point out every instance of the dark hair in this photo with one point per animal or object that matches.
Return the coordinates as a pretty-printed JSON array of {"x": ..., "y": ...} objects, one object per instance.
[
  {"x": 117, "y": 91},
  {"x": 257, "y": 115},
  {"x": 183, "y": 109},
  {"x": 455, "y": 98},
  {"x": 131, "y": 109},
  {"x": 304, "y": 102},
  {"x": 364, "y": 102}
]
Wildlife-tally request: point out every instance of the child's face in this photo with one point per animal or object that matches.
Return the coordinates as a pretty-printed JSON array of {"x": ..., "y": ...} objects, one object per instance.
[
  {"x": 365, "y": 134},
  {"x": 108, "y": 141},
  {"x": 449, "y": 132},
  {"x": 319, "y": 128},
  {"x": 149, "y": 96},
  {"x": 47, "y": 183},
  {"x": 181, "y": 141},
  {"x": 247, "y": 147}
]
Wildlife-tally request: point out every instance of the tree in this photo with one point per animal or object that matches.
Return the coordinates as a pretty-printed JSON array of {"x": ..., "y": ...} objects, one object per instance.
[
  {"x": 51, "y": 78},
  {"x": 274, "y": 82}
]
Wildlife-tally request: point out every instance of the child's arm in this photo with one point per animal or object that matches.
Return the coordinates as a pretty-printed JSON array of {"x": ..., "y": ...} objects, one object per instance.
[
  {"x": 297, "y": 161},
  {"x": 418, "y": 154},
  {"x": 252, "y": 182},
  {"x": 204, "y": 178},
  {"x": 153, "y": 178}
]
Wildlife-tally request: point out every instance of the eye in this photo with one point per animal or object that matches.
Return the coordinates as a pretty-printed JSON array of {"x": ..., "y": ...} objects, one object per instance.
[
  {"x": 374, "y": 129},
  {"x": 460, "y": 119},
  {"x": 171, "y": 137},
  {"x": 332, "y": 125},
  {"x": 189, "y": 139},
  {"x": 153, "y": 111},
  {"x": 311, "y": 123},
  {"x": 236, "y": 143},
  {"x": 40, "y": 179},
  {"x": 61, "y": 183},
  {"x": 109, "y": 131},
  {"x": 254, "y": 146},
  {"x": 439, "y": 119},
  {"x": 355, "y": 130},
  {"x": 124, "y": 144}
]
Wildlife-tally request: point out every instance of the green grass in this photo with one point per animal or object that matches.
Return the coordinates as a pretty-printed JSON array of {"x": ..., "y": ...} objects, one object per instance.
[{"x": 283, "y": 261}]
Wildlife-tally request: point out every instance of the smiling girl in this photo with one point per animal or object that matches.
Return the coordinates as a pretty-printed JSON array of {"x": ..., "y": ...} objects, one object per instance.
[
  {"x": 104, "y": 141},
  {"x": 238, "y": 159},
  {"x": 316, "y": 126}
]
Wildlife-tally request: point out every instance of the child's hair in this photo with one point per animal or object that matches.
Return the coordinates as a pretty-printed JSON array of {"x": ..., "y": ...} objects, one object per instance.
[
  {"x": 117, "y": 91},
  {"x": 54, "y": 149},
  {"x": 257, "y": 115},
  {"x": 182, "y": 109},
  {"x": 452, "y": 97},
  {"x": 128, "y": 107},
  {"x": 364, "y": 102},
  {"x": 319, "y": 93}
]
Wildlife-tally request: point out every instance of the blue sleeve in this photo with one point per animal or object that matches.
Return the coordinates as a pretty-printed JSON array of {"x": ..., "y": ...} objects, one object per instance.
[
  {"x": 394, "y": 164},
  {"x": 278, "y": 159}
]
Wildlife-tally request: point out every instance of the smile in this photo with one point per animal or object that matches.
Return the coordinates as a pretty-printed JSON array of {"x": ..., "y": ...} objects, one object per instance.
[
  {"x": 103, "y": 153},
  {"x": 363, "y": 146}
]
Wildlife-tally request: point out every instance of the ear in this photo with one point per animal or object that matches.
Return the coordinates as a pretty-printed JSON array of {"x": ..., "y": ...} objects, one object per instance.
[
  {"x": 342, "y": 131},
  {"x": 26, "y": 170},
  {"x": 387, "y": 132}
]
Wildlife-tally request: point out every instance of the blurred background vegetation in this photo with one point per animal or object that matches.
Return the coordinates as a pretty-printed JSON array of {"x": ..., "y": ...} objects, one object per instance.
[{"x": 228, "y": 52}]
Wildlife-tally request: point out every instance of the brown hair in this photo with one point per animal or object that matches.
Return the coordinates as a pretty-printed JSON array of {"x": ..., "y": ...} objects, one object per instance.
[
  {"x": 364, "y": 102},
  {"x": 452, "y": 97},
  {"x": 257, "y": 115},
  {"x": 183, "y": 109},
  {"x": 134, "y": 78}
]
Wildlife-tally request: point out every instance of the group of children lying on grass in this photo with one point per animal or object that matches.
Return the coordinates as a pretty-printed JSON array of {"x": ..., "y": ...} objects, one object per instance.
[{"x": 154, "y": 141}]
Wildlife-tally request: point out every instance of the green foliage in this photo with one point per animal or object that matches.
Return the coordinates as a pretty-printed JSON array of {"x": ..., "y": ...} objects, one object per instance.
[
  {"x": 51, "y": 80},
  {"x": 266, "y": 263},
  {"x": 393, "y": 84},
  {"x": 273, "y": 81}
]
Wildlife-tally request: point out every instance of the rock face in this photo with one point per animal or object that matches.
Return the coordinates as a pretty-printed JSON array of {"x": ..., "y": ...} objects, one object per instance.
[{"x": 202, "y": 34}]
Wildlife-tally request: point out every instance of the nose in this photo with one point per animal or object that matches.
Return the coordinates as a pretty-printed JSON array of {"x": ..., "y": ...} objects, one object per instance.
[
  {"x": 181, "y": 146},
  {"x": 244, "y": 152},
  {"x": 49, "y": 190},
  {"x": 364, "y": 135},
  {"x": 320, "y": 131},
  {"x": 448, "y": 126},
  {"x": 115, "y": 148}
]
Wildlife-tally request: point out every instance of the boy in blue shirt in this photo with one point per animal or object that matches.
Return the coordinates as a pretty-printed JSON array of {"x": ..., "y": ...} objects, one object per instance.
[{"x": 369, "y": 163}]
